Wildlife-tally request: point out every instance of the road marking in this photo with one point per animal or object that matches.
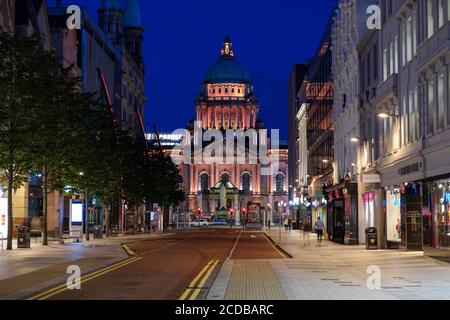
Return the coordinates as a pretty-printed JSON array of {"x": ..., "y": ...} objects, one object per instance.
[
  {"x": 130, "y": 252},
  {"x": 202, "y": 283},
  {"x": 234, "y": 247},
  {"x": 275, "y": 248},
  {"x": 61, "y": 288},
  {"x": 206, "y": 272}
]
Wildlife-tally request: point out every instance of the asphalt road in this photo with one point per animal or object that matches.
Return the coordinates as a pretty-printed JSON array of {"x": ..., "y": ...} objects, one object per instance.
[{"x": 183, "y": 265}]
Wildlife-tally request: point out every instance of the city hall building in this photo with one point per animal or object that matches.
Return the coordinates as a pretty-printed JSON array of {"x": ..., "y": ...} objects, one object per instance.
[{"x": 227, "y": 102}]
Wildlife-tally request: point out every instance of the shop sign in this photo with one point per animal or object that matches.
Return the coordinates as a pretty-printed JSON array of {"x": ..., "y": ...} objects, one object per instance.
[
  {"x": 371, "y": 178},
  {"x": 412, "y": 168},
  {"x": 447, "y": 197},
  {"x": 4, "y": 217}
]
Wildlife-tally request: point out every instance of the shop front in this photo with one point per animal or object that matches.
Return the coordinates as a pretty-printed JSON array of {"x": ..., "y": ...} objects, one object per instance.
[
  {"x": 319, "y": 210},
  {"x": 436, "y": 212},
  {"x": 392, "y": 209},
  {"x": 342, "y": 213}
]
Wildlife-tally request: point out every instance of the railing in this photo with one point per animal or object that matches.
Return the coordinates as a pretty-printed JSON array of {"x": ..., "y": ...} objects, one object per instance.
[{"x": 1, "y": 240}]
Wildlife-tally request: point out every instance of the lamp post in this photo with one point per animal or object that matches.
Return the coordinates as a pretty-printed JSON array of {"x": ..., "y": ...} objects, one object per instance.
[{"x": 86, "y": 210}]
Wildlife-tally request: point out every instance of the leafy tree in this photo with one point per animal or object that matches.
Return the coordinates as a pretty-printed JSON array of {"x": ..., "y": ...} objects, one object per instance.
[
  {"x": 165, "y": 184},
  {"x": 19, "y": 74}
]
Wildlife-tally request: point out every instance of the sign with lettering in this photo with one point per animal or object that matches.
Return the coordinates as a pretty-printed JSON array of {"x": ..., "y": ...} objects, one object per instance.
[
  {"x": 3, "y": 218},
  {"x": 371, "y": 178},
  {"x": 412, "y": 168}
]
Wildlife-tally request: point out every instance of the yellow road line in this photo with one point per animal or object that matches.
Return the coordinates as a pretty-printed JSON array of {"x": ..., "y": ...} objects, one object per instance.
[
  {"x": 202, "y": 283},
  {"x": 275, "y": 247},
  {"x": 61, "y": 288},
  {"x": 129, "y": 251},
  {"x": 196, "y": 279}
]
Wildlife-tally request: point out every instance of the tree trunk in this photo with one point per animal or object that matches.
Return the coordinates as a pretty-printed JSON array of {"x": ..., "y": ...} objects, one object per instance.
[
  {"x": 61, "y": 216},
  {"x": 10, "y": 210},
  {"x": 105, "y": 209},
  {"x": 45, "y": 228}
]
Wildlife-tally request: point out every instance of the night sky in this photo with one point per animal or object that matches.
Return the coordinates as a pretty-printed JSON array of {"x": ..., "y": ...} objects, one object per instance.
[{"x": 183, "y": 38}]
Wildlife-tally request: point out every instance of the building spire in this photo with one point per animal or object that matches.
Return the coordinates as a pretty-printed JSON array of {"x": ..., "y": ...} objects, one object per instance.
[{"x": 227, "y": 49}]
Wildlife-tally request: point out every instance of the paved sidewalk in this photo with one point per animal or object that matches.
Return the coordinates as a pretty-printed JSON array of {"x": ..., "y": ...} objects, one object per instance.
[
  {"x": 337, "y": 272},
  {"x": 24, "y": 271}
]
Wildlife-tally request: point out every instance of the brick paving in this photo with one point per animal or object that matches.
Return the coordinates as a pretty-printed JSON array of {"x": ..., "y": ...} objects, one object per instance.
[{"x": 337, "y": 272}]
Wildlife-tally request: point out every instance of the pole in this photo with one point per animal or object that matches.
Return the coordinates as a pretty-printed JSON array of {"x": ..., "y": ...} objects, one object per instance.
[
  {"x": 86, "y": 212},
  {"x": 281, "y": 221}
]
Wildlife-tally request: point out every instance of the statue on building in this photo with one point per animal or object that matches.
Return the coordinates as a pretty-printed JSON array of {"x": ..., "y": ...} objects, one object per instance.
[{"x": 223, "y": 197}]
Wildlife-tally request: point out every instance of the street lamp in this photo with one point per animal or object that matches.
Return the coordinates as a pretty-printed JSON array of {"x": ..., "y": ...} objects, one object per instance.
[{"x": 386, "y": 115}]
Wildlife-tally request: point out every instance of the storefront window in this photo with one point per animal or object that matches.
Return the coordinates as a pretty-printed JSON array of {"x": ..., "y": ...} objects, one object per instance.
[
  {"x": 443, "y": 212},
  {"x": 393, "y": 215}
]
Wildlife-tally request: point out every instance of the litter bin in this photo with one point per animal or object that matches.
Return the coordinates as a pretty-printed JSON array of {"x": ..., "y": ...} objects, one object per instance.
[
  {"x": 23, "y": 238},
  {"x": 98, "y": 232},
  {"x": 371, "y": 239},
  {"x": 114, "y": 230}
]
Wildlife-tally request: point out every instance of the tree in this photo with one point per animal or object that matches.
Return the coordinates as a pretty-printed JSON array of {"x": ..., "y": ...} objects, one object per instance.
[
  {"x": 165, "y": 185},
  {"x": 19, "y": 74}
]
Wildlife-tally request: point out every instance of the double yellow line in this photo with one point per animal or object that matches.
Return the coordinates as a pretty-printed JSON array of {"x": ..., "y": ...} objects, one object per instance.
[
  {"x": 204, "y": 276},
  {"x": 62, "y": 288},
  {"x": 276, "y": 248}
]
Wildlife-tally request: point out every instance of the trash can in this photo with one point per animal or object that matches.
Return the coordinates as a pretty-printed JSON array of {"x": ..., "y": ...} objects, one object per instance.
[
  {"x": 114, "y": 230},
  {"x": 98, "y": 232},
  {"x": 371, "y": 239},
  {"x": 23, "y": 238}
]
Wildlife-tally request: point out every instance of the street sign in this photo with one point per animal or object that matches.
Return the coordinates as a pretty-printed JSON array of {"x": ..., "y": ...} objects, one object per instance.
[{"x": 4, "y": 217}]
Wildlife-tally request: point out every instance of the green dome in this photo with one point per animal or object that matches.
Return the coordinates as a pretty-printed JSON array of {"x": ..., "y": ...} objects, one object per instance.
[
  {"x": 227, "y": 70},
  {"x": 111, "y": 5},
  {"x": 132, "y": 15}
]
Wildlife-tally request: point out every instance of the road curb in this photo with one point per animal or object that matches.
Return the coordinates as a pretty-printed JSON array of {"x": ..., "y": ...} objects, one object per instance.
[{"x": 287, "y": 254}]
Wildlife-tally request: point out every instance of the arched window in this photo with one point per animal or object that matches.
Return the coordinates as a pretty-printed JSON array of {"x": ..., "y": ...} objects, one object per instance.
[
  {"x": 225, "y": 177},
  {"x": 279, "y": 183},
  {"x": 246, "y": 182},
  {"x": 204, "y": 182}
]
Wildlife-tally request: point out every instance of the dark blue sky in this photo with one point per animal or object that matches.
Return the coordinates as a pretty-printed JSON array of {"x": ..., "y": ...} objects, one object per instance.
[{"x": 183, "y": 38}]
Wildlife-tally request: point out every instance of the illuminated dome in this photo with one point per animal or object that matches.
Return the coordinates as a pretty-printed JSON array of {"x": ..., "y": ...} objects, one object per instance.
[
  {"x": 227, "y": 69},
  {"x": 132, "y": 14}
]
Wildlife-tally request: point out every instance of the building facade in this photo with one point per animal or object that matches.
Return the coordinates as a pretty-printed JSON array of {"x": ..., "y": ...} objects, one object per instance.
[
  {"x": 256, "y": 192},
  {"x": 317, "y": 97},
  {"x": 298, "y": 74}
]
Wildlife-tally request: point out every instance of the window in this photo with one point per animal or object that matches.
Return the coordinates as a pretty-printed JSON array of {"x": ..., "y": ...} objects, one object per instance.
[
  {"x": 448, "y": 97},
  {"x": 396, "y": 54},
  {"x": 411, "y": 116},
  {"x": 440, "y": 102},
  {"x": 404, "y": 45},
  {"x": 204, "y": 182},
  {"x": 409, "y": 39},
  {"x": 246, "y": 182},
  {"x": 431, "y": 107},
  {"x": 416, "y": 119},
  {"x": 414, "y": 33},
  {"x": 430, "y": 18},
  {"x": 441, "y": 13},
  {"x": 279, "y": 183},
  {"x": 226, "y": 90},
  {"x": 391, "y": 55},
  {"x": 385, "y": 64},
  {"x": 225, "y": 177},
  {"x": 404, "y": 120}
]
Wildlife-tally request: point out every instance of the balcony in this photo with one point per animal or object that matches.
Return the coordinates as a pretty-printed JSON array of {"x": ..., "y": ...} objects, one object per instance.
[
  {"x": 387, "y": 90},
  {"x": 430, "y": 50}
]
